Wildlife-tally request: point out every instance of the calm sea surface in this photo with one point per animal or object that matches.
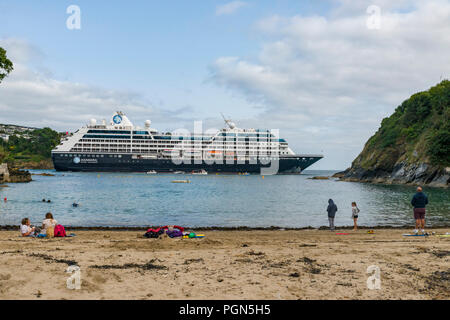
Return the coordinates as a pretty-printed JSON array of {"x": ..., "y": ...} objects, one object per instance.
[{"x": 132, "y": 199}]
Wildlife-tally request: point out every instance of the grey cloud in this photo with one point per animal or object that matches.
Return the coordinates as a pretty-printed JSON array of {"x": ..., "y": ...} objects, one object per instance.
[
  {"x": 327, "y": 81},
  {"x": 30, "y": 96}
]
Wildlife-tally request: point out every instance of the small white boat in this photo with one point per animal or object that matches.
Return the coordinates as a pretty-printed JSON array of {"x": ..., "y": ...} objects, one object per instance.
[
  {"x": 152, "y": 172},
  {"x": 179, "y": 172},
  {"x": 181, "y": 181},
  {"x": 200, "y": 172}
]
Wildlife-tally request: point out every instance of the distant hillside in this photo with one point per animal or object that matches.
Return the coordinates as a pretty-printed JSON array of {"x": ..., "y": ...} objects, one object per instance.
[
  {"x": 412, "y": 145},
  {"x": 24, "y": 147}
]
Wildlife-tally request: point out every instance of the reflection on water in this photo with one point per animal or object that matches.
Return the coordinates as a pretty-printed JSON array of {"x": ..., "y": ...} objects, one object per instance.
[{"x": 132, "y": 199}]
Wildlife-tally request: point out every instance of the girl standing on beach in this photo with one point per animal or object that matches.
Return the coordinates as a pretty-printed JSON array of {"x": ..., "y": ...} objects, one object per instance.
[{"x": 355, "y": 211}]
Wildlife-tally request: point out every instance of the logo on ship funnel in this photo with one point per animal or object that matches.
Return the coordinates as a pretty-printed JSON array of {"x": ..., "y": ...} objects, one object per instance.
[{"x": 117, "y": 119}]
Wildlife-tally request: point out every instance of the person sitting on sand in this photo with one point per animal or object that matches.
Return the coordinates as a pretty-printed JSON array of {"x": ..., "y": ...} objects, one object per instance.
[
  {"x": 26, "y": 229},
  {"x": 48, "y": 223},
  {"x": 355, "y": 211},
  {"x": 419, "y": 202},
  {"x": 332, "y": 208}
]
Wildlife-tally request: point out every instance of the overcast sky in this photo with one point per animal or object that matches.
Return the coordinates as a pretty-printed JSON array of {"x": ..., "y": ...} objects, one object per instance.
[{"x": 323, "y": 72}]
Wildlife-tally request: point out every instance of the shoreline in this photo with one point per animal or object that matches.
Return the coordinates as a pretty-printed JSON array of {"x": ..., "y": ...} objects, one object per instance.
[
  {"x": 250, "y": 265},
  {"x": 240, "y": 228}
]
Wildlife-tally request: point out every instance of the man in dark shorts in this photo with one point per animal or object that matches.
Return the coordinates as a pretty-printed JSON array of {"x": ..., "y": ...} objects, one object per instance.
[{"x": 419, "y": 201}]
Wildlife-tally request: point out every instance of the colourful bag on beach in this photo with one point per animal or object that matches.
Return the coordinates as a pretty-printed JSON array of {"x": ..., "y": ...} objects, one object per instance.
[
  {"x": 60, "y": 231},
  {"x": 152, "y": 233},
  {"x": 174, "y": 233}
]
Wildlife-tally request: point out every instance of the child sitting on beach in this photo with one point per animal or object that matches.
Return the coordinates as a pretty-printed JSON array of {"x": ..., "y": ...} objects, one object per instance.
[
  {"x": 48, "y": 225},
  {"x": 355, "y": 211},
  {"x": 26, "y": 229}
]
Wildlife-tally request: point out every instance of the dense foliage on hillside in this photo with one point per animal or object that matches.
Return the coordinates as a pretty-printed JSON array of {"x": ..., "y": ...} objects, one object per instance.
[
  {"x": 36, "y": 148},
  {"x": 418, "y": 131},
  {"x": 6, "y": 66}
]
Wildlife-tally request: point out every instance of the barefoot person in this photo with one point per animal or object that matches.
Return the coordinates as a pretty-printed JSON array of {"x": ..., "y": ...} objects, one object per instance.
[
  {"x": 332, "y": 208},
  {"x": 355, "y": 211},
  {"x": 419, "y": 202}
]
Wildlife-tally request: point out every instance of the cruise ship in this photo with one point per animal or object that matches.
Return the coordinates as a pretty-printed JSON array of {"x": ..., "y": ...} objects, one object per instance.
[{"x": 121, "y": 146}]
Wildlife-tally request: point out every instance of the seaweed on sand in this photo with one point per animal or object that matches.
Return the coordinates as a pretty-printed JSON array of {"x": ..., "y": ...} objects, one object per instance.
[
  {"x": 311, "y": 267},
  {"x": 189, "y": 261},
  {"x": 306, "y": 260},
  {"x": 441, "y": 253},
  {"x": 52, "y": 259},
  {"x": 253, "y": 253},
  {"x": 145, "y": 266},
  {"x": 8, "y": 252},
  {"x": 440, "y": 281}
]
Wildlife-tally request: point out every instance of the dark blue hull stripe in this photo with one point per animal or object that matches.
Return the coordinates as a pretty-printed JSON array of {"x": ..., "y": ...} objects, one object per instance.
[{"x": 127, "y": 164}]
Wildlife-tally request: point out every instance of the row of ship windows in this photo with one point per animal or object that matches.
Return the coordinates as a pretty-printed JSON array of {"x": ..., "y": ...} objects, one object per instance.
[
  {"x": 258, "y": 134},
  {"x": 187, "y": 152},
  {"x": 200, "y": 158},
  {"x": 69, "y": 155},
  {"x": 166, "y": 146},
  {"x": 179, "y": 142},
  {"x": 117, "y": 132},
  {"x": 137, "y": 145},
  {"x": 179, "y": 139},
  {"x": 150, "y": 151},
  {"x": 120, "y": 156}
]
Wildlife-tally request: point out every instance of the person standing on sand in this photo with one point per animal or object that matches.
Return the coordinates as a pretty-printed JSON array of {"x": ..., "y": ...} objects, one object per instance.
[
  {"x": 355, "y": 211},
  {"x": 332, "y": 208},
  {"x": 419, "y": 202}
]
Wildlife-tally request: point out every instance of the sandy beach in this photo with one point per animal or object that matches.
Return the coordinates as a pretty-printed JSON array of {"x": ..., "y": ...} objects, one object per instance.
[{"x": 304, "y": 264}]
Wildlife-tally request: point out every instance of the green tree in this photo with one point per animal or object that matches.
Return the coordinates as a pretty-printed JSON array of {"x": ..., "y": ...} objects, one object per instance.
[{"x": 6, "y": 66}]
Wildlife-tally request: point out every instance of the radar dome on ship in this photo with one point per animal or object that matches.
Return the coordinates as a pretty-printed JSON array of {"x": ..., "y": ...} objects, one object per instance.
[
  {"x": 93, "y": 122},
  {"x": 232, "y": 125},
  {"x": 148, "y": 123}
]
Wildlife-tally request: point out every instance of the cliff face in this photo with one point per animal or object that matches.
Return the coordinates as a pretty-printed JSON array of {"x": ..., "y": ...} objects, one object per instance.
[
  {"x": 13, "y": 175},
  {"x": 412, "y": 146},
  {"x": 46, "y": 164}
]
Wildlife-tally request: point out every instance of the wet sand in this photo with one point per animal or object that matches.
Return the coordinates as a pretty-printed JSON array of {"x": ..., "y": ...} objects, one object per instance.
[{"x": 292, "y": 264}]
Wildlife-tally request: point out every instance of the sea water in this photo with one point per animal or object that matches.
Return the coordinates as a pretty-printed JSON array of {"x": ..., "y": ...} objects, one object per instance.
[{"x": 137, "y": 199}]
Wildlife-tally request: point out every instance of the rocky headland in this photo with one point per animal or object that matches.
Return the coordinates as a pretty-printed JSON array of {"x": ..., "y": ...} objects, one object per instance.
[{"x": 412, "y": 146}]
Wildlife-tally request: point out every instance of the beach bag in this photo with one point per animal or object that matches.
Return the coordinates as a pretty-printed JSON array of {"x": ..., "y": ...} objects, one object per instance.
[
  {"x": 153, "y": 233},
  {"x": 174, "y": 233},
  {"x": 50, "y": 232},
  {"x": 60, "y": 231}
]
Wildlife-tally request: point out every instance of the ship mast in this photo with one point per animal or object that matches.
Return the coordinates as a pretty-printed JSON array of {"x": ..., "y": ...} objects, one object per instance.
[{"x": 229, "y": 123}]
